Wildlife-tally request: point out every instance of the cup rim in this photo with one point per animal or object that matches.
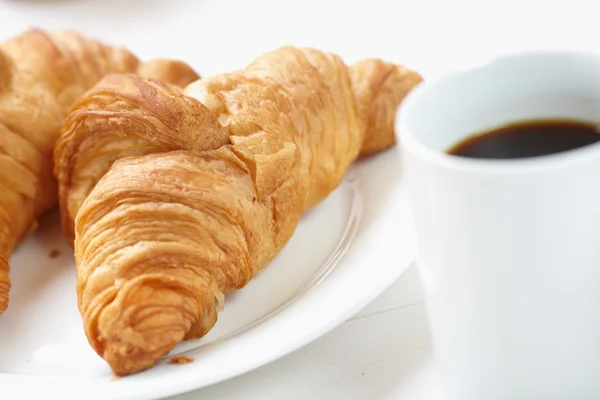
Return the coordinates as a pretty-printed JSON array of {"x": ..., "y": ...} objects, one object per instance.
[{"x": 408, "y": 142}]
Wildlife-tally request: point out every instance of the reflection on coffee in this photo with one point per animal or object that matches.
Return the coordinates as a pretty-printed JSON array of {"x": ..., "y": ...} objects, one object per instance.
[{"x": 528, "y": 139}]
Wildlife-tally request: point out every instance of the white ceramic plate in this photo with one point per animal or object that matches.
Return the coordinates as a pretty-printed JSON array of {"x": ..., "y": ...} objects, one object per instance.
[{"x": 344, "y": 252}]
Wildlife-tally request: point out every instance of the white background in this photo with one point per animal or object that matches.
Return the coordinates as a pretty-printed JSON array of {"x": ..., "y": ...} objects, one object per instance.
[{"x": 384, "y": 351}]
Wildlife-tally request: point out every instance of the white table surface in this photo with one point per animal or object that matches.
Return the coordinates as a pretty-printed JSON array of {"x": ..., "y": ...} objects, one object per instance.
[{"x": 384, "y": 351}]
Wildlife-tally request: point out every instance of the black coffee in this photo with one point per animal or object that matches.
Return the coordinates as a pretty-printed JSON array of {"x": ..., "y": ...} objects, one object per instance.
[{"x": 528, "y": 139}]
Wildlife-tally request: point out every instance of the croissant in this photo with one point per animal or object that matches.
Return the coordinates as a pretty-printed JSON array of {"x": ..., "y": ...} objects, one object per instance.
[
  {"x": 41, "y": 76},
  {"x": 175, "y": 199}
]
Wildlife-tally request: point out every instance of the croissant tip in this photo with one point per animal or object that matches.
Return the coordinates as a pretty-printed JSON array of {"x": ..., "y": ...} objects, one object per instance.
[
  {"x": 137, "y": 329},
  {"x": 127, "y": 357},
  {"x": 121, "y": 367},
  {"x": 3, "y": 302},
  {"x": 4, "y": 284},
  {"x": 3, "y": 298}
]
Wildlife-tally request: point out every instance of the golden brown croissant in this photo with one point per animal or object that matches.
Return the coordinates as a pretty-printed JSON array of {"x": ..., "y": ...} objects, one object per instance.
[
  {"x": 41, "y": 76},
  {"x": 173, "y": 201}
]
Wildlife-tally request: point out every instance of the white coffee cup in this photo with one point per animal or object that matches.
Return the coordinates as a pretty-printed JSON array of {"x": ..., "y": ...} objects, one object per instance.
[{"x": 508, "y": 250}]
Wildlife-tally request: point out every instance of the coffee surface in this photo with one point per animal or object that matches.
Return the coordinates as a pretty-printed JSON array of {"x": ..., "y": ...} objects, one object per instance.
[{"x": 528, "y": 139}]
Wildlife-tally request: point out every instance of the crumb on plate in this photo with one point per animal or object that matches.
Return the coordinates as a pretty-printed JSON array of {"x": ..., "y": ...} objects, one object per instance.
[
  {"x": 54, "y": 253},
  {"x": 180, "y": 360}
]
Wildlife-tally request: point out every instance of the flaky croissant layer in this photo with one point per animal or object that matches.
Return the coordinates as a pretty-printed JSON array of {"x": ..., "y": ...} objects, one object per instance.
[
  {"x": 174, "y": 199},
  {"x": 41, "y": 76}
]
